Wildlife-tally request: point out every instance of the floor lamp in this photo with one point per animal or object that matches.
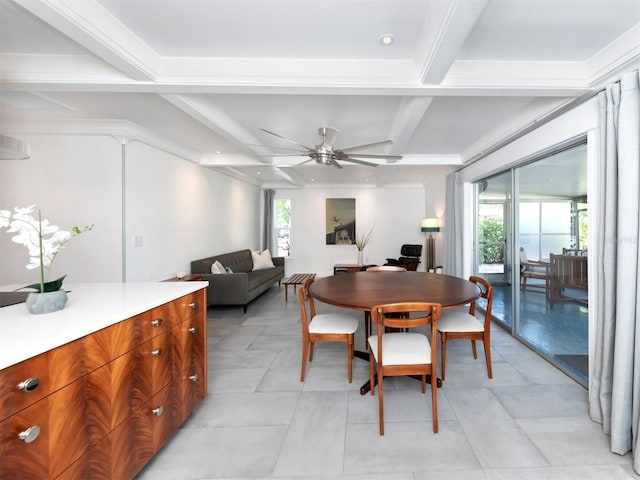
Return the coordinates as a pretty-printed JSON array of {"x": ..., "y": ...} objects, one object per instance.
[{"x": 430, "y": 225}]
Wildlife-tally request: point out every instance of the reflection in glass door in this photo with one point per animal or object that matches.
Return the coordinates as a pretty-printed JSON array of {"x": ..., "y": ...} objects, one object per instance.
[{"x": 493, "y": 252}]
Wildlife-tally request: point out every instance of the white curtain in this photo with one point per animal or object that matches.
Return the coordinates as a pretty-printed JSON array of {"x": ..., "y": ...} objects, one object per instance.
[
  {"x": 453, "y": 225},
  {"x": 614, "y": 384},
  {"x": 267, "y": 227}
]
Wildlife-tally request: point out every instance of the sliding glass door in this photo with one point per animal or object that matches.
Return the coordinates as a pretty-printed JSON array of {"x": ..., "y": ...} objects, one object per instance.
[
  {"x": 493, "y": 252},
  {"x": 538, "y": 212}
]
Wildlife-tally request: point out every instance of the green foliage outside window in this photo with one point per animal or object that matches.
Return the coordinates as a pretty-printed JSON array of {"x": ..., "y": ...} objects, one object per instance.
[
  {"x": 283, "y": 213},
  {"x": 491, "y": 241}
]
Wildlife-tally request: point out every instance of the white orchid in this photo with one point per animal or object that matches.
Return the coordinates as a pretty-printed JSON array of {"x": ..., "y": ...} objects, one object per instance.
[{"x": 43, "y": 240}]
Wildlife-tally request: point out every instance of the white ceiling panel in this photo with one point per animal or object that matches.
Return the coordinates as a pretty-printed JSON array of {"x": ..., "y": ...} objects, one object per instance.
[{"x": 202, "y": 78}]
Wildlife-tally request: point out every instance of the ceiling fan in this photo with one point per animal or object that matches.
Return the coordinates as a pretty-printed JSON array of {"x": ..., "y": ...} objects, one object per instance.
[{"x": 326, "y": 154}]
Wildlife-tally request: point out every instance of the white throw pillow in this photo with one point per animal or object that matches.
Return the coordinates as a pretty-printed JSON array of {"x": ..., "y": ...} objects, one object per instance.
[
  {"x": 217, "y": 267},
  {"x": 262, "y": 261}
]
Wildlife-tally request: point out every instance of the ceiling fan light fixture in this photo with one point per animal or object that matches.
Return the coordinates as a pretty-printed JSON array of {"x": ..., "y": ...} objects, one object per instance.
[
  {"x": 387, "y": 40},
  {"x": 325, "y": 158}
]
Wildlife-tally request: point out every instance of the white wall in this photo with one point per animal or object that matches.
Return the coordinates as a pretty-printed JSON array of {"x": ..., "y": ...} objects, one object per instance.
[
  {"x": 395, "y": 214},
  {"x": 181, "y": 211},
  {"x": 73, "y": 180}
]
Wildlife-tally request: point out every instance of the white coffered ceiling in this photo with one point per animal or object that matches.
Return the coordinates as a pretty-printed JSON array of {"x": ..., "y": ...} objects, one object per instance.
[{"x": 201, "y": 78}]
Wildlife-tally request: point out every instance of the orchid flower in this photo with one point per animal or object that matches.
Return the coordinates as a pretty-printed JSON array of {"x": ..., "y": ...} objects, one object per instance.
[{"x": 42, "y": 239}]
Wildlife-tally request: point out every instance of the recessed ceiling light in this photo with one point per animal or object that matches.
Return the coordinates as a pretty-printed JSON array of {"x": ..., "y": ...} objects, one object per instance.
[
  {"x": 218, "y": 151},
  {"x": 387, "y": 39}
]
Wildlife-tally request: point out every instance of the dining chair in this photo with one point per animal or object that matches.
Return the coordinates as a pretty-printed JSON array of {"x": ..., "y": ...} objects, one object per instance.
[
  {"x": 460, "y": 324},
  {"x": 386, "y": 268},
  {"x": 324, "y": 327},
  {"x": 404, "y": 353}
]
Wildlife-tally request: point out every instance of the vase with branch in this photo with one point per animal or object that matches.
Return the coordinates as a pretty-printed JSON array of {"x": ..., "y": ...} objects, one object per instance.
[
  {"x": 361, "y": 242},
  {"x": 44, "y": 241}
]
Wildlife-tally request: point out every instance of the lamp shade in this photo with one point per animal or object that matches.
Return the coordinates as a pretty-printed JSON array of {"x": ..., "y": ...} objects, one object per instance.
[{"x": 430, "y": 225}]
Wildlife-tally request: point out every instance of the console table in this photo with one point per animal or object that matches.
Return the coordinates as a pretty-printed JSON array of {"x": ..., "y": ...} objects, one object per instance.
[{"x": 346, "y": 267}]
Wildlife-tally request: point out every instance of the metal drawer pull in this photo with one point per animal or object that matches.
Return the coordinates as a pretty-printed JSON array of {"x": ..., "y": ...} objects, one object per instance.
[
  {"x": 157, "y": 352},
  {"x": 193, "y": 330},
  {"x": 29, "y": 385},
  {"x": 194, "y": 377},
  {"x": 157, "y": 322},
  {"x": 193, "y": 305},
  {"x": 158, "y": 411},
  {"x": 30, "y": 434}
]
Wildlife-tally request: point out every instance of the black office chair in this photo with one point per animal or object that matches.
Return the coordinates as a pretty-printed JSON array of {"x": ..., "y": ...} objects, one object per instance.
[{"x": 409, "y": 257}]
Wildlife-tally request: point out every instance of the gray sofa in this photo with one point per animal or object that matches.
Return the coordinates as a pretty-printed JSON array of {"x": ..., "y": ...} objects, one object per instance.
[{"x": 241, "y": 286}]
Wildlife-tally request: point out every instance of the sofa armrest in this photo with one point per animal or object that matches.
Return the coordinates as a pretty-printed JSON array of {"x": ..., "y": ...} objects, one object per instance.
[{"x": 278, "y": 261}]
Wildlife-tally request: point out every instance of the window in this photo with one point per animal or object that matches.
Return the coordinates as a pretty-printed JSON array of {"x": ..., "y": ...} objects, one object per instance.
[{"x": 282, "y": 227}]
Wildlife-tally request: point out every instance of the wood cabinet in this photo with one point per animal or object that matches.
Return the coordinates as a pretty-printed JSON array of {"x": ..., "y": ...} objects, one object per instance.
[
  {"x": 339, "y": 268},
  {"x": 100, "y": 406}
]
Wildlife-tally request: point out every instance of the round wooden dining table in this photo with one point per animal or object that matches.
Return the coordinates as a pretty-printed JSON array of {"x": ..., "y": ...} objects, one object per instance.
[{"x": 365, "y": 290}]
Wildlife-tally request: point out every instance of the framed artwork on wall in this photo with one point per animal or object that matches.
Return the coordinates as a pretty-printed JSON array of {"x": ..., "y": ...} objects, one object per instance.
[{"x": 340, "y": 221}]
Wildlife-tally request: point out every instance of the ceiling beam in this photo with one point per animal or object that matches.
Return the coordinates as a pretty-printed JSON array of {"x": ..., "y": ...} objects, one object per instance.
[
  {"x": 444, "y": 33},
  {"x": 89, "y": 24},
  {"x": 408, "y": 117},
  {"x": 214, "y": 118}
]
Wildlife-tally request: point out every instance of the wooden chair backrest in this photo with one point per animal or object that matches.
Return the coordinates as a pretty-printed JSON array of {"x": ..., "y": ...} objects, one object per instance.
[
  {"x": 569, "y": 271},
  {"x": 386, "y": 268},
  {"x": 303, "y": 299},
  {"x": 486, "y": 292},
  {"x": 388, "y": 316}
]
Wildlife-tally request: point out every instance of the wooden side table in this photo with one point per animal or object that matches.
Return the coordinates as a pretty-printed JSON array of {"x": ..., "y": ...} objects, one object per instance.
[
  {"x": 187, "y": 278},
  {"x": 295, "y": 279}
]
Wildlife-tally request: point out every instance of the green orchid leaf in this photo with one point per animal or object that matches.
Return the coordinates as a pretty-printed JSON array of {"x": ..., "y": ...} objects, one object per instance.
[{"x": 52, "y": 286}]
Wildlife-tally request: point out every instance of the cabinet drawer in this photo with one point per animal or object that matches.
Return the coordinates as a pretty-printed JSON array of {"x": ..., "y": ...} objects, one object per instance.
[
  {"x": 189, "y": 305},
  {"x": 27, "y": 382},
  {"x": 109, "y": 343},
  {"x": 108, "y": 396},
  {"x": 152, "y": 369},
  {"x": 61, "y": 439},
  {"x": 153, "y": 322},
  {"x": 119, "y": 455}
]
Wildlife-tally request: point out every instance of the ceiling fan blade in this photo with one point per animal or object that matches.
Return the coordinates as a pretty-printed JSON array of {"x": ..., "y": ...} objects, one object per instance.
[
  {"x": 367, "y": 145},
  {"x": 288, "y": 140},
  {"x": 359, "y": 162},
  {"x": 367, "y": 155},
  {"x": 328, "y": 135},
  {"x": 336, "y": 164}
]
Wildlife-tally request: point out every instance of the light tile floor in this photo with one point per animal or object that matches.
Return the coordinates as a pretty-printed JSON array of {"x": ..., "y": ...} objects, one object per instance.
[{"x": 259, "y": 421}]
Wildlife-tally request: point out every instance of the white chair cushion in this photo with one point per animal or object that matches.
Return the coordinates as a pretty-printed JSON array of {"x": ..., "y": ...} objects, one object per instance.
[
  {"x": 459, "y": 321},
  {"x": 402, "y": 348},
  {"x": 333, "y": 323}
]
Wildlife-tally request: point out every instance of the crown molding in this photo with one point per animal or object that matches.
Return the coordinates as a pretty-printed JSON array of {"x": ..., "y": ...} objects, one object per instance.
[{"x": 123, "y": 131}]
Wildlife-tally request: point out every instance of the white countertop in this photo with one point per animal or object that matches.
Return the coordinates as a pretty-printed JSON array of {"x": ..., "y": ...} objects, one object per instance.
[{"x": 90, "y": 307}]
